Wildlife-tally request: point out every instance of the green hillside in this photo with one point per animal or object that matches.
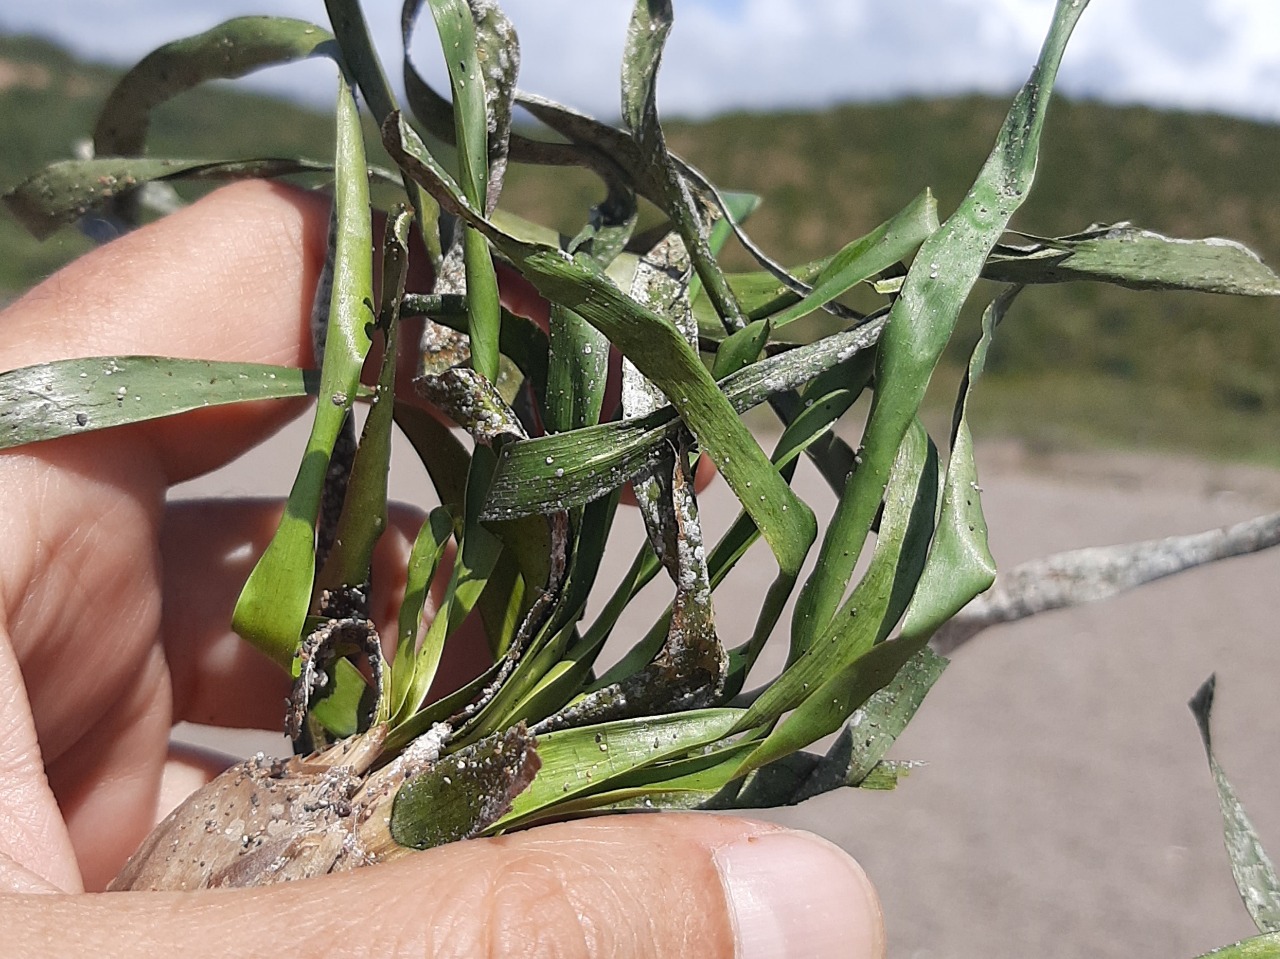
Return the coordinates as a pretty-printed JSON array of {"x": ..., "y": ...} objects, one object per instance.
[
  {"x": 1078, "y": 364},
  {"x": 49, "y": 101}
]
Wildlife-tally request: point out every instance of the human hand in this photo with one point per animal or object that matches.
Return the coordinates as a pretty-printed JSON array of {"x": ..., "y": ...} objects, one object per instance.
[{"x": 113, "y": 626}]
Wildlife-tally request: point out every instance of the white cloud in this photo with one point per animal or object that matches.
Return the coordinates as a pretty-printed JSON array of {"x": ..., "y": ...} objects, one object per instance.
[{"x": 733, "y": 54}]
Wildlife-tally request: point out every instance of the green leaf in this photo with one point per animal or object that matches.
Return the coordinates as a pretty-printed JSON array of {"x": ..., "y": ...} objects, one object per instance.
[
  {"x": 1259, "y": 947},
  {"x": 477, "y": 555},
  {"x": 692, "y": 783},
  {"x": 554, "y": 472},
  {"x": 760, "y": 293},
  {"x": 836, "y": 671},
  {"x": 1139, "y": 259},
  {"x": 657, "y": 349},
  {"x": 359, "y": 58},
  {"x": 586, "y": 759},
  {"x": 273, "y": 604},
  {"x": 228, "y": 51},
  {"x": 854, "y": 759},
  {"x": 874, "y": 727},
  {"x": 825, "y": 681},
  {"x": 647, "y": 32},
  {"x": 932, "y": 587},
  {"x": 921, "y": 321},
  {"x": 360, "y": 61},
  {"x": 63, "y": 192},
  {"x": 364, "y": 509},
  {"x": 462, "y": 794},
  {"x": 884, "y": 246},
  {"x": 469, "y": 81},
  {"x": 810, "y": 426},
  {"x": 67, "y": 397},
  {"x": 577, "y": 372},
  {"x": 960, "y": 565},
  {"x": 737, "y": 208},
  {"x": 1254, "y": 874},
  {"x": 424, "y": 559},
  {"x": 739, "y": 350}
]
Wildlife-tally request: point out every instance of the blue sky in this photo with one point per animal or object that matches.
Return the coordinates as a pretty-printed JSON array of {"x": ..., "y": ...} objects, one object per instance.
[{"x": 1221, "y": 55}]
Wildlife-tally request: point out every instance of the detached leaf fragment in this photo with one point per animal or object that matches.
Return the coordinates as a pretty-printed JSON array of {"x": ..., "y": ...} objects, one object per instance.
[
  {"x": 1259, "y": 947},
  {"x": 1254, "y": 874}
]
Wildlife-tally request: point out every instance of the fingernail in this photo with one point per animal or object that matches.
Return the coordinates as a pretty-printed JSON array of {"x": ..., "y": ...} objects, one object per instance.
[{"x": 793, "y": 894}]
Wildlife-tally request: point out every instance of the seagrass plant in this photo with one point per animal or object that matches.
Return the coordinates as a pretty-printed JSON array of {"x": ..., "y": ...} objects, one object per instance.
[{"x": 529, "y": 501}]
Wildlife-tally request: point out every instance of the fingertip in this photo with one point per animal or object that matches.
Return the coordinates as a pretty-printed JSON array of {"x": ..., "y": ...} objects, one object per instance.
[{"x": 794, "y": 894}]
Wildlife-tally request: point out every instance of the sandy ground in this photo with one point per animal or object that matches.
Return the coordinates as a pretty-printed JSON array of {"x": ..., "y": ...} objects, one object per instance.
[{"x": 1066, "y": 808}]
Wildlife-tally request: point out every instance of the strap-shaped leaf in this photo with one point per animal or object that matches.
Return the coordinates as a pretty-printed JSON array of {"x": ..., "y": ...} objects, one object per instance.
[
  {"x": 578, "y": 361},
  {"x": 740, "y": 349},
  {"x": 856, "y": 757},
  {"x": 498, "y": 56},
  {"x": 892, "y": 241},
  {"x": 932, "y": 586},
  {"x": 1140, "y": 259},
  {"x": 360, "y": 61},
  {"x": 653, "y": 345},
  {"x": 586, "y": 759},
  {"x": 472, "y": 566},
  {"x": 688, "y": 783},
  {"x": 424, "y": 559},
  {"x": 861, "y": 747},
  {"x": 574, "y": 469},
  {"x": 647, "y": 33},
  {"x": 816, "y": 685},
  {"x": 273, "y": 604},
  {"x": 227, "y": 51},
  {"x": 67, "y": 397},
  {"x": 482, "y": 54},
  {"x": 471, "y": 81},
  {"x": 921, "y": 321},
  {"x": 761, "y": 294},
  {"x": 960, "y": 565},
  {"x": 364, "y": 510},
  {"x": 577, "y": 372},
  {"x": 1254, "y": 874},
  {"x": 63, "y": 192}
]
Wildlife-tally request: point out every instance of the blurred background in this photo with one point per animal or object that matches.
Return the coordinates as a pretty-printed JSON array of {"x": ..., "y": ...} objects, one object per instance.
[{"x": 1066, "y": 807}]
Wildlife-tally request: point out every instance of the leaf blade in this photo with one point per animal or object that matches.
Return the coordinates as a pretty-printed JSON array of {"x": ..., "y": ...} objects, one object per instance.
[
  {"x": 49, "y": 400},
  {"x": 273, "y": 604}
]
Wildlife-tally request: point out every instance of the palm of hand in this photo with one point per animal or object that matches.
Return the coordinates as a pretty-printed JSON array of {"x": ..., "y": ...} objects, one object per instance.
[{"x": 114, "y": 609}]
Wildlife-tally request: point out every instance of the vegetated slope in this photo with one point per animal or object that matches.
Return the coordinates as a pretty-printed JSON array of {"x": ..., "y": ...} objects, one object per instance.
[
  {"x": 1081, "y": 363},
  {"x": 48, "y": 104}
]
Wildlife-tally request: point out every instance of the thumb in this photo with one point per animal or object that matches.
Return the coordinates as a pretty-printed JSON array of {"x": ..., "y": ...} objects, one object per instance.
[{"x": 704, "y": 887}]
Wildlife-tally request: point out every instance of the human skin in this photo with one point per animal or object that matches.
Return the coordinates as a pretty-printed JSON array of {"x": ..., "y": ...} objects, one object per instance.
[{"x": 113, "y": 626}]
